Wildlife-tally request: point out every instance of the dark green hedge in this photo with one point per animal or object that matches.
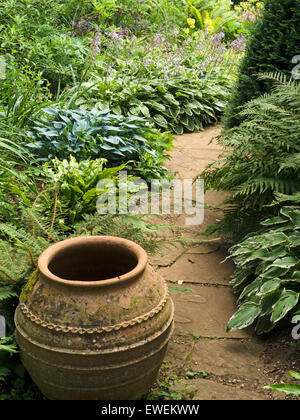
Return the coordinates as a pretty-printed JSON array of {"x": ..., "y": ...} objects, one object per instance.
[{"x": 274, "y": 41}]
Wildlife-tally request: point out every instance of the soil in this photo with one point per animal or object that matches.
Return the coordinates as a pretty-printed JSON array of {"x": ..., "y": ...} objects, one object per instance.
[{"x": 203, "y": 361}]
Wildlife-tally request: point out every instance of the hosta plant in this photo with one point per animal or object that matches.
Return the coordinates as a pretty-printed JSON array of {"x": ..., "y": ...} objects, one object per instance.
[
  {"x": 288, "y": 388},
  {"x": 267, "y": 276},
  {"x": 79, "y": 187},
  {"x": 96, "y": 134},
  {"x": 182, "y": 103}
]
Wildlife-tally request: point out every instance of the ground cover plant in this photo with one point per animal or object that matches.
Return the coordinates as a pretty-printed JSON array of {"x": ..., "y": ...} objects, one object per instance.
[
  {"x": 179, "y": 84},
  {"x": 267, "y": 275},
  {"x": 98, "y": 134}
]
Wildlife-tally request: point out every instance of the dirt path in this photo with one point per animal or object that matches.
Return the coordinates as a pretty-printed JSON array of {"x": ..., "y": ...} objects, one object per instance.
[{"x": 203, "y": 361}]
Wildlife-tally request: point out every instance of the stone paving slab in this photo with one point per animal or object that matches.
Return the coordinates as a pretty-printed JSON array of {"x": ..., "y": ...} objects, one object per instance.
[
  {"x": 204, "y": 389},
  {"x": 205, "y": 311},
  {"x": 230, "y": 357},
  {"x": 196, "y": 267}
]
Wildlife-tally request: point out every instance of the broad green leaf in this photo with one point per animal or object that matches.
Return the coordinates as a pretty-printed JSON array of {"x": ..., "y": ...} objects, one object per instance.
[
  {"x": 178, "y": 129},
  {"x": 296, "y": 275},
  {"x": 267, "y": 302},
  {"x": 286, "y": 388},
  {"x": 274, "y": 272},
  {"x": 244, "y": 317},
  {"x": 274, "y": 221},
  {"x": 250, "y": 289},
  {"x": 287, "y": 301},
  {"x": 160, "y": 120},
  {"x": 269, "y": 287},
  {"x": 286, "y": 262},
  {"x": 263, "y": 325},
  {"x": 295, "y": 375}
]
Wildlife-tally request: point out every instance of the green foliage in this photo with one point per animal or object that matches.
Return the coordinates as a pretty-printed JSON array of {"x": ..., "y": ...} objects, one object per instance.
[
  {"x": 36, "y": 34},
  {"x": 97, "y": 134},
  {"x": 136, "y": 228},
  {"x": 272, "y": 45},
  {"x": 86, "y": 134},
  {"x": 291, "y": 388},
  {"x": 182, "y": 103},
  {"x": 261, "y": 159},
  {"x": 20, "y": 388},
  {"x": 267, "y": 276},
  {"x": 79, "y": 187},
  {"x": 215, "y": 16}
]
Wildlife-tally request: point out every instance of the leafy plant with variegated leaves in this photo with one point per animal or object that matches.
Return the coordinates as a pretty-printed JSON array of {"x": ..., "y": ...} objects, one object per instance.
[
  {"x": 181, "y": 103},
  {"x": 268, "y": 273},
  {"x": 98, "y": 134},
  {"x": 288, "y": 388}
]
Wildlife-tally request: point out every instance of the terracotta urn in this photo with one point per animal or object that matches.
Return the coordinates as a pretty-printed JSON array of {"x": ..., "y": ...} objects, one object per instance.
[{"x": 95, "y": 322}]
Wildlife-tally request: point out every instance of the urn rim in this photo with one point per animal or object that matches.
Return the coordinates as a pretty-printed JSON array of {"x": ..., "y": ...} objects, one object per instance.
[{"x": 48, "y": 255}]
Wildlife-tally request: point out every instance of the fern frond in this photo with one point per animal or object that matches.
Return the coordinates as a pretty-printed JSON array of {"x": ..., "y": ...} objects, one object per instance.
[
  {"x": 6, "y": 292},
  {"x": 8, "y": 344}
]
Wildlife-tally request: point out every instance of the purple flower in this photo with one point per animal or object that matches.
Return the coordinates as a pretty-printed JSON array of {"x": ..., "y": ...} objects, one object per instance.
[
  {"x": 95, "y": 44},
  {"x": 239, "y": 44},
  {"x": 218, "y": 38}
]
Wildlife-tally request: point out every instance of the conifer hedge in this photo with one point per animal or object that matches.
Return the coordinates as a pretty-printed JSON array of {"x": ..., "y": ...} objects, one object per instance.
[{"x": 274, "y": 41}]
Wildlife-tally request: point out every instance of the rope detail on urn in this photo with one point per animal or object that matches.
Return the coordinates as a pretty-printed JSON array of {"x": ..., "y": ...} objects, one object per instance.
[{"x": 78, "y": 330}]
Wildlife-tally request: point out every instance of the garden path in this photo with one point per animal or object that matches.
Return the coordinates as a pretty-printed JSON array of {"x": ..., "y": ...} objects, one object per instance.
[{"x": 203, "y": 361}]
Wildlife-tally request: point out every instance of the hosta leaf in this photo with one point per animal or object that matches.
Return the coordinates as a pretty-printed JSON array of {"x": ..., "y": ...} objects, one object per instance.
[
  {"x": 250, "y": 289},
  {"x": 244, "y": 317},
  {"x": 286, "y": 262},
  {"x": 286, "y": 388},
  {"x": 294, "y": 240},
  {"x": 134, "y": 110},
  {"x": 274, "y": 272},
  {"x": 269, "y": 287},
  {"x": 170, "y": 98},
  {"x": 274, "y": 221},
  {"x": 184, "y": 119},
  {"x": 174, "y": 112},
  {"x": 293, "y": 214},
  {"x": 269, "y": 301},
  {"x": 295, "y": 375},
  {"x": 191, "y": 124},
  {"x": 287, "y": 301},
  {"x": 144, "y": 110},
  {"x": 160, "y": 120},
  {"x": 263, "y": 325},
  {"x": 276, "y": 238},
  {"x": 188, "y": 111},
  {"x": 240, "y": 278},
  {"x": 156, "y": 105},
  {"x": 178, "y": 129}
]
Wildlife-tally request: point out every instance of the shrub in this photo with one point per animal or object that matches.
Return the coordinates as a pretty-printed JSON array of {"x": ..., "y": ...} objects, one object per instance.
[
  {"x": 38, "y": 35},
  {"x": 96, "y": 134},
  {"x": 77, "y": 184},
  {"x": 261, "y": 158},
  {"x": 183, "y": 103},
  {"x": 273, "y": 43},
  {"x": 267, "y": 277}
]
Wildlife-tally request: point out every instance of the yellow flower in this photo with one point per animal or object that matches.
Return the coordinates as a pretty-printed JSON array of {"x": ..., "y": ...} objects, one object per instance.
[
  {"x": 191, "y": 22},
  {"x": 187, "y": 30}
]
